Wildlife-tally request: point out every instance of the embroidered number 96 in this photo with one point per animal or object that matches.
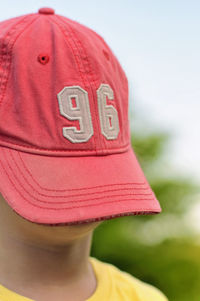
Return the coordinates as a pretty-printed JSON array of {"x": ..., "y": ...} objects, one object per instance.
[{"x": 107, "y": 113}]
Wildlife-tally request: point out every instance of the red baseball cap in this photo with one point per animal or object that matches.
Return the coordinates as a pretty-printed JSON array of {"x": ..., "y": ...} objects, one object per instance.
[{"x": 65, "y": 151}]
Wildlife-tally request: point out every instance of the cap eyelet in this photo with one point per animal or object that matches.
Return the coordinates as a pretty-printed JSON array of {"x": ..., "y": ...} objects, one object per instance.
[{"x": 43, "y": 58}]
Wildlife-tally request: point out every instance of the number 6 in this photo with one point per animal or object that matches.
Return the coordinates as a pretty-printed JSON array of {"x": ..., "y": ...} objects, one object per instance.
[{"x": 107, "y": 113}]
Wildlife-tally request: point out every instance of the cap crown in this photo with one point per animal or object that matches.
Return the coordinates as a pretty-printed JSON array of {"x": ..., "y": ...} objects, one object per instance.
[{"x": 62, "y": 90}]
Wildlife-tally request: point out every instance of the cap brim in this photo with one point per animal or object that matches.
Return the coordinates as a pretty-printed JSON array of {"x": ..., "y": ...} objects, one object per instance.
[{"x": 55, "y": 190}]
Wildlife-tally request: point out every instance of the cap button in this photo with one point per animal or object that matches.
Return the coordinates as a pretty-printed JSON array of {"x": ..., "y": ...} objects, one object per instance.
[{"x": 46, "y": 11}]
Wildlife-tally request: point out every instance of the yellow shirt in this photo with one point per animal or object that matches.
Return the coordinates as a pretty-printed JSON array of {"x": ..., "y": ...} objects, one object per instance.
[{"x": 112, "y": 285}]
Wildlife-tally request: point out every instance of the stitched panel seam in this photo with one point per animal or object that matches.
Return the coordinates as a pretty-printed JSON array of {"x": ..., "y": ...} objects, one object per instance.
[
  {"x": 4, "y": 54},
  {"x": 78, "y": 47},
  {"x": 75, "y": 53},
  {"x": 6, "y": 51},
  {"x": 91, "y": 83}
]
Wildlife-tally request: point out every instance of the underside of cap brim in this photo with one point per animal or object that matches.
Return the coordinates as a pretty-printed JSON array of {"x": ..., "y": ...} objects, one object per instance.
[{"x": 74, "y": 190}]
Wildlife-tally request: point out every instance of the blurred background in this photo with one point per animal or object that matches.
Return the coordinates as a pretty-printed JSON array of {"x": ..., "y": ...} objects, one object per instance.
[{"x": 158, "y": 45}]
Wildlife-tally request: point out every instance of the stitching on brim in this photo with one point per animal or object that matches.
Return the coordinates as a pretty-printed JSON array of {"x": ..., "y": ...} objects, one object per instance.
[
  {"x": 69, "y": 201},
  {"x": 83, "y": 194},
  {"x": 85, "y": 188},
  {"x": 70, "y": 207}
]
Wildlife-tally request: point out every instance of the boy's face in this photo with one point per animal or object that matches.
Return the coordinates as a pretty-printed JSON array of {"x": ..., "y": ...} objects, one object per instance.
[{"x": 15, "y": 226}]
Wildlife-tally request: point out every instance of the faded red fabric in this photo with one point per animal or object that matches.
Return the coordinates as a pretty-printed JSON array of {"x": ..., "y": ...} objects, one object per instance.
[{"x": 43, "y": 176}]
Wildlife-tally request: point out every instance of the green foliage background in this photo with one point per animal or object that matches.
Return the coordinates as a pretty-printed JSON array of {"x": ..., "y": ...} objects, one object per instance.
[{"x": 159, "y": 249}]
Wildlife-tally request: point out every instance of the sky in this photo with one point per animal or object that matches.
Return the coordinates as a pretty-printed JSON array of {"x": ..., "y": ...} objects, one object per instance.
[{"x": 158, "y": 45}]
